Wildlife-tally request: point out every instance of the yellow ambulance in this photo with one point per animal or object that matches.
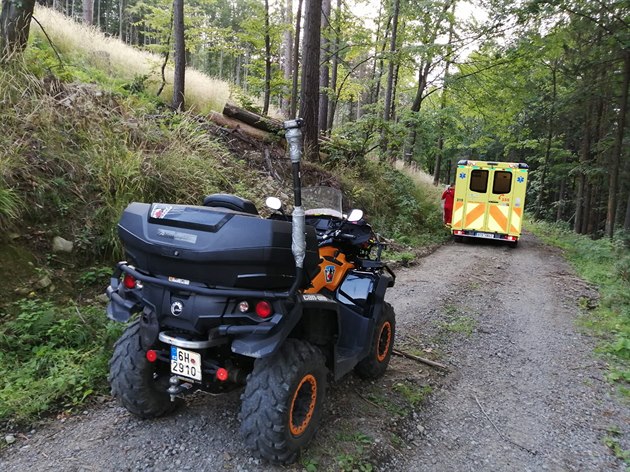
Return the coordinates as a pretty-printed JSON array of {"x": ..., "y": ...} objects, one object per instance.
[{"x": 489, "y": 200}]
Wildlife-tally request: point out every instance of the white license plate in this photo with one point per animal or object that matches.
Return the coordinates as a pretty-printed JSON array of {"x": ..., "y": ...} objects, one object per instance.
[
  {"x": 186, "y": 363},
  {"x": 485, "y": 235}
]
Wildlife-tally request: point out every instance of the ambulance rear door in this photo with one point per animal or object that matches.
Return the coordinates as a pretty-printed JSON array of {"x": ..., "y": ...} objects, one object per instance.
[
  {"x": 471, "y": 197},
  {"x": 489, "y": 198}
]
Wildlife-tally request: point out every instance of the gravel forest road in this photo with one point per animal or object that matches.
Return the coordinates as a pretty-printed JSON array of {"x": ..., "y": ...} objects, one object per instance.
[{"x": 524, "y": 391}]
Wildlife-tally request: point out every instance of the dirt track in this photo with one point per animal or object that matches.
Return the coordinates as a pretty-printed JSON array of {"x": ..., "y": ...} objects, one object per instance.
[{"x": 524, "y": 391}]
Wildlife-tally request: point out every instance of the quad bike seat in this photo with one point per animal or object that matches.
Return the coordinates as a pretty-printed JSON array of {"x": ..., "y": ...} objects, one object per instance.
[{"x": 231, "y": 202}]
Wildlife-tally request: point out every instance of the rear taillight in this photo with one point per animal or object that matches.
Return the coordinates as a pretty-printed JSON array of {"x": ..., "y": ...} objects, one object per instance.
[
  {"x": 511, "y": 238},
  {"x": 222, "y": 374},
  {"x": 151, "y": 355},
  {"x": 129, "y": 281},
  {"x": 263, "y": 309}
]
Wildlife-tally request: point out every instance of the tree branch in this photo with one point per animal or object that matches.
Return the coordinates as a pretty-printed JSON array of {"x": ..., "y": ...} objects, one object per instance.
[{"x": 52, "y": 45}]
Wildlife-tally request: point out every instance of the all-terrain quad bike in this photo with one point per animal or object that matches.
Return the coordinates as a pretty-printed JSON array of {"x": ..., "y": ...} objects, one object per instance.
[{"x": 227, "y": 298}]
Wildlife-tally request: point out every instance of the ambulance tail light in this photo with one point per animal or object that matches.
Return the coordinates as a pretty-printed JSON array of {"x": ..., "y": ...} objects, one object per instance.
[
  {"x": 458, "y": 232},
  {"x": 511, "y": 238}
]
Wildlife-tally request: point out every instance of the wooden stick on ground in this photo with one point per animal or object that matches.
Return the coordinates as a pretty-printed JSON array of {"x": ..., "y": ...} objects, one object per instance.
[
  {"x": 505, "y": 438},
  {"x": 419, "y": 359}
]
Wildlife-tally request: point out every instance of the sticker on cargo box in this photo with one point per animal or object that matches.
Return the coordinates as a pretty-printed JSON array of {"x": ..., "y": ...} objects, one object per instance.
[
  {"x": 177, "y": 236},
  {"x": 160, "y": 212},
  {"x": 179, "y": 281}
]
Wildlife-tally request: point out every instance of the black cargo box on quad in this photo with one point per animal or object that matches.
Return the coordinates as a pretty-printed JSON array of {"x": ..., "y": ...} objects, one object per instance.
[{"x": 215, "y": 246}]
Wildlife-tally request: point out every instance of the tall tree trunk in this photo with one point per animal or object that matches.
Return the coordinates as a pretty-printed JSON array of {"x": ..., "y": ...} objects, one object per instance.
[
  {"x": 389, "y": 90},
  {"x": 561, "y": 194},
  {"x": 438, "y": 157},
  {"x": 613, "y": 183},
  {"x": 379, "y": 61},
  {"x": 588, "y": 209},
  {"x": 88, "y": 11},
  {"x": 237, "y": 69},
  {"x": 585, "y": 153},
  {"x": 332, "y": 102},
  {"x": 324, "y": 72},
  {"x": 296, "y": 61},
  {"x": 309, "y": 96},
  {"x": 267, "y": 92},
  {"x": 287, "y": 52},
  {"x": 15, "y": 23},
  {"x": 442, "y": 123},
  {"x": 549, "y": 141},
  {"x": 179, "y": 55},
  {"x": 392, "y": 62},
  {"x": 393, "y": 111},
  {"x": 121, "y": 20}
]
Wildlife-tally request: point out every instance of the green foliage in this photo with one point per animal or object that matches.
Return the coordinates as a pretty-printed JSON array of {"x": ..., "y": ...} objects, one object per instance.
[
  {"x": 11, "y": 207},
  {"x": 405, "y": 258},
  {"x": 396, "y": 206},
  {"x": 52, "y": 357},
  {"x": 350, "y": 463},
  {"x": 96, "y": 276},
  {"x": 309, "y": 464},
  {"x": 356, "y": 460},
  {"x": 89, "y": 152},
  {"x": 412, "y": 393},
  {"x": 612, "y": 442},
  {"x": 604, "y": 263},
  {"x": 459, "y": 324}
]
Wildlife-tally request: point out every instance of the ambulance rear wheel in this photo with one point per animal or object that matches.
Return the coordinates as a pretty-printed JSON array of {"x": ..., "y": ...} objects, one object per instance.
[
  {"x": 458, "y": 239},
  {"x": 513, "y": 244},
  {"x": 376, "y": 362}
]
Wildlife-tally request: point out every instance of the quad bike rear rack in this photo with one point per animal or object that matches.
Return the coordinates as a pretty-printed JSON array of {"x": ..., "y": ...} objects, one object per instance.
[{"x": 128, "y": 306}]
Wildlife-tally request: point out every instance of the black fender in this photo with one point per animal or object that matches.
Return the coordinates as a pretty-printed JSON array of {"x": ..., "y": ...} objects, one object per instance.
[
  {"x": 258, "y": 346},
  {"x": 384, "y": 282}
]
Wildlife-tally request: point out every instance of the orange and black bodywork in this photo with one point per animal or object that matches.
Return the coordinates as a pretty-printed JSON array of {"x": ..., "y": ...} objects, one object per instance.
[{"x": 333, "y": 267}]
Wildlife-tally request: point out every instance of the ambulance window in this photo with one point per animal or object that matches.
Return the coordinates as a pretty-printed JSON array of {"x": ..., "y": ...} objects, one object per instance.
[
  {"x": 479, "y": 180},
  {"x": 502, "y": 182}
]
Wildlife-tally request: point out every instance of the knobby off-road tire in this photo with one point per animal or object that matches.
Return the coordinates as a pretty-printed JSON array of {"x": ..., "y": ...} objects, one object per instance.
[
  {"x": 139, "y": 385},
  {"x": 376, "y": 362},
  {"x": 283, "y": 401}
]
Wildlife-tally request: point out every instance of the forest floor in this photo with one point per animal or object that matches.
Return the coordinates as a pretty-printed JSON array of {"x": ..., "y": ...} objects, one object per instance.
[{"x": 523, "y": 389}]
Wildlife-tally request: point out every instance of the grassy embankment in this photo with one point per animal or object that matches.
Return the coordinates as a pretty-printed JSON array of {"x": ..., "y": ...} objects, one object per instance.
[{"x": 80, "y": 140}]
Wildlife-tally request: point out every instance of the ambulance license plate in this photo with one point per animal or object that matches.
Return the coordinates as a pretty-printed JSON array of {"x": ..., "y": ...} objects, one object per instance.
[
  {"x": 484, "y": 235},
  {"x": 185, "y": 363}
]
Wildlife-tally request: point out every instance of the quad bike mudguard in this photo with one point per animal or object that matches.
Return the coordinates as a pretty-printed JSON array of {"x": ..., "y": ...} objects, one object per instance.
[{"x": 361, "y": 297}]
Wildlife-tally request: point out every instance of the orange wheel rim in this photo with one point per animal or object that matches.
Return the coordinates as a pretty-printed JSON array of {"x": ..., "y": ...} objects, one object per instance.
[
  {"x": 383, "y": 342},
  {"x": 303, "y": 405}
]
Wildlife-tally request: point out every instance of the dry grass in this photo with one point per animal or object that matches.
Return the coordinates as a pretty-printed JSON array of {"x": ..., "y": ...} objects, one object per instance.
[
  {"x": 421, "y": 178},
  {"x": 115, "y": 58}
]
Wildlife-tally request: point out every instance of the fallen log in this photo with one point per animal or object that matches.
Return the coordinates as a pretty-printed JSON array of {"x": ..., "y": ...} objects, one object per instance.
[
  {"x": 264, "y": 123},
  {"x": 242, "y": 128}
]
